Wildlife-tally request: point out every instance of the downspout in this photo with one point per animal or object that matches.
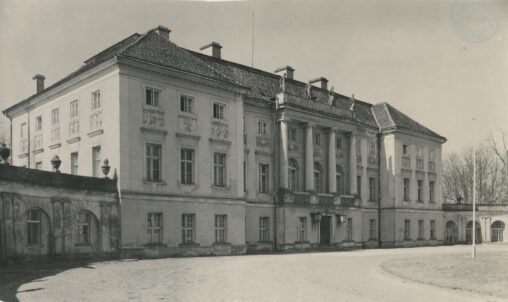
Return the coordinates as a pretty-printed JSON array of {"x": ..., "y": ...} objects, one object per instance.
[{"x": 379, "y": 243}]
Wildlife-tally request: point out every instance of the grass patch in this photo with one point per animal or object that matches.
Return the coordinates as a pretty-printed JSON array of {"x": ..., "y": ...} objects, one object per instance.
[{"x": 487, "y": 274}]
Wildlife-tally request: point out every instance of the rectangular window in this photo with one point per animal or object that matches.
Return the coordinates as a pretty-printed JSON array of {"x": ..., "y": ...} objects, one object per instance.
[
  {"x": 301, "y": 229},
  {"x": 38, "y": 123},
  {"x": 372, "y": 189},
  {"x": 38, "y": 165},
  {"x": 83, "y": 224},
  {"x": 420, "y": 229},
  {"x": 349, "y": 229},
  {"x": 96, "y": 100},
  {"x": 420, "y": 190},
  {"x": 74, "y": 163},
  {"x": 186, "y": 166},
  {"x": 219, "y": 169},
  {"x": 55, "y": 118},
  {"x": 338, "y": 143},
  {"x": 406, "y": 189},
  {"x": 219, "y": 111},
  {"x": 431, "y": 191},
  {"x": 263, "y": 178},
  {"x": 153, "y": 162},
  {"x": 432, "y": 230},
  {"x": 372, "y": 229},
  {"x": 188, "y": 228},
  {"x": 96, "y": 158},
  {"x": 407, "y": 229},
  {"x": 292, "y": 178},
  {"x": 264, "y": 228},
  {"x": 152, "y": 97},
  {"x": 293, "y": 134},
  {"x": 244, "y": 176},
  {"x": 359, "y": 186},
  {"x": 74, "y": 110},
  {"x": 404, "y": 149},
  {"x": 33, "y": 224},
  {"x": 317, "y": 139},
  {"x": 22, "y": 130},
  {"x": 154, "y": 227},
  {"x": 262, "y": 128},
  {"x": 186, "y": 103},
  {"x": 221, "y": 228}
]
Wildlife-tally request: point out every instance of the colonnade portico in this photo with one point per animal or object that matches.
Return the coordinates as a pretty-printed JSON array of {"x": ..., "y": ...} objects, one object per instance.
[{"x": 309, "y": 157}]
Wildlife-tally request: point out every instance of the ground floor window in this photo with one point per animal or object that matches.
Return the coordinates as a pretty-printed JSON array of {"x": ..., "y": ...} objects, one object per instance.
[
  {"x": 432, "y": 230},
  {"x": 33, "y": 224},
  {"x": 497, "y": 230},
  {"x": 349, "y": 229},
  {"x": 420, "y": 229},
  {"x": 188, "y": 228},
  {"x": 221, "y": 228},
  {"x": 83, "y": 228},
  {"x": 407, "y": 229},
  {"x": 372, "y": 229},
  {"x": 154, "y": 227},
  {"x": 264, "y": 228},
  {"x": 301, "y": 231}
]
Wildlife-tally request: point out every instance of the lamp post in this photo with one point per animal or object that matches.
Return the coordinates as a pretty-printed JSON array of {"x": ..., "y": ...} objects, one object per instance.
[{"x": 473, "y": 251}]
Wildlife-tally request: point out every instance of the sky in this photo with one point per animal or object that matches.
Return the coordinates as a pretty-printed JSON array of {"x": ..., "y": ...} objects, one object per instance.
[{"x": 441, "y": 62}]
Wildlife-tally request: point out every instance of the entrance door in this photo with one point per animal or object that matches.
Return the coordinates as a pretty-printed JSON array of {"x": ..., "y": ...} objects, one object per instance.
[{"x": 324, "y": 230}]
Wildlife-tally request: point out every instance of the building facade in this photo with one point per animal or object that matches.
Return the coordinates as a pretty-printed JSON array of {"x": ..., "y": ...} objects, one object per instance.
[{"x": 214, "y": 157}]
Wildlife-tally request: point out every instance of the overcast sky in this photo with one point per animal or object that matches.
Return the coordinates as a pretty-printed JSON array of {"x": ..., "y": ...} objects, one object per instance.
[{"x": 440, "y": 62}]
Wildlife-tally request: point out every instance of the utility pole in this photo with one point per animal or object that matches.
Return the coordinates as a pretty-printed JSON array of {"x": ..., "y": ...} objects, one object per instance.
[{"x": 473, "y": 251}]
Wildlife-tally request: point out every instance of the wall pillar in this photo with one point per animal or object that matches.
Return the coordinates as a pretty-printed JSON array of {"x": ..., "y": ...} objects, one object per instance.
[
  {"x": 284, "y": 156},
  {"x": 332, "y": 161},
  {"x": 352, "y": 164},
  {"x": 309, "y": 158}
]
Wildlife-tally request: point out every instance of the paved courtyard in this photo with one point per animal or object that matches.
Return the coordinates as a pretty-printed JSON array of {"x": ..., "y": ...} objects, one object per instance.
[{"x": 333, "y": 276}]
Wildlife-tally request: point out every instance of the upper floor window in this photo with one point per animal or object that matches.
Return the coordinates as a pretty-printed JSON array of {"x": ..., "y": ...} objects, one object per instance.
[
  {"x": 420, "y": 190},
  {"x": 22, "y": 130},
  {"x": 419, "y": 158},
  {"x": 186, "y": 165},
  {"x": 96, "y": 100},
  {"x": 338, "y": 143},
  {"x": 219, "y": 169},
  {"x": 338, "y": 179},
  {"x": 406, "y": 189},
  {"x": 152, "y": 97},
  {"x": 317, "y": 139},
  {"x": 38, "y": 123},
  {"x": 219, "y": 111},
  {"x": 55, "y": 118},
  {"x": 293, "y": 175},
  {"x": 405, "y": 150},
  {"x": 96, "y": 157},
  {"x": 262, "y": 128},
  {"x": 74, "y": 110},
  {"x": 153, "y": 162},
  {"x": 432, "y": 163},
  {"x": 263, "y": 178},
  {"x": 372, "y": 188},
  {"x": 431, "y": 191},
  {"x": 317, "y": 178},
  {"x": 186, "y": 103},
  {"x": 293, "y": 134}
]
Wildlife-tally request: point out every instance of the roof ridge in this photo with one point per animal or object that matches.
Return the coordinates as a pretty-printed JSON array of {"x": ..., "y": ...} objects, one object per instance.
[
  {"x": 208, "y": 65},
  {"x": 94, "y": 57}
]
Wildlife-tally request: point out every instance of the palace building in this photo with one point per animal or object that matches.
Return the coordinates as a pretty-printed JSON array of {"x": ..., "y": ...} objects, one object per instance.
[{"x": 215, "y": 157}]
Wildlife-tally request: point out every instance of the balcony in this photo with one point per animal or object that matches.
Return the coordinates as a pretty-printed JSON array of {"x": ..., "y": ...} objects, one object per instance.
[
  {"x": 458, "y": 207},
  {"x": 301, "y": 197},
  {"x": 348, "y": 201},
  {"x": 325, "y": 199}
]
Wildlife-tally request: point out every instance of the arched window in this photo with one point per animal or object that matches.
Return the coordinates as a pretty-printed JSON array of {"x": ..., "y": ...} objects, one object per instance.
[
  {"x": 83, "y": 224},
  {"x": 318, "y": 186},
  {"x": 339, "y": 179},
  {"x": 293, "y": 175},
  {"x": 451, "y": 232},
  {"x": 496, "y": 231},
  {"x": 33, "y": 226}
]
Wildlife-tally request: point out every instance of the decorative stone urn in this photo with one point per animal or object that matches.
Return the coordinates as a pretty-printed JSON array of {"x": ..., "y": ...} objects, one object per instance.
[
  {"x": 105, "y": 168},
  {"x": 55, "y": 163},
  {"x": 4, "y": 153}
]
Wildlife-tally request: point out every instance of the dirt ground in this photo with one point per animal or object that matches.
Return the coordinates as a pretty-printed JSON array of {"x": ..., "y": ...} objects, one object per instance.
[{"x": 332, "y": 276}]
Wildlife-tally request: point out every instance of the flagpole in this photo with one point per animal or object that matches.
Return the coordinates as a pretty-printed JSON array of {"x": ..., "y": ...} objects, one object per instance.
[{"x": 473, "y": 252}]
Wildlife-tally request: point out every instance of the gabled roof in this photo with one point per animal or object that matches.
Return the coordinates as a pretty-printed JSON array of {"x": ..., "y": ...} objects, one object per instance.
[{"x": 389, "y": 117}]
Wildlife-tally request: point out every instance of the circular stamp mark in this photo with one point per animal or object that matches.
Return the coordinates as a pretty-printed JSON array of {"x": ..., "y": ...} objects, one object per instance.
[{"x": 475, "y": 20}]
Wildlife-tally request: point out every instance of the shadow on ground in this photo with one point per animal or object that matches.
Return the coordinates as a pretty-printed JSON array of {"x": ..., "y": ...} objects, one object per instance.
[{"x": 13, "y": 276}]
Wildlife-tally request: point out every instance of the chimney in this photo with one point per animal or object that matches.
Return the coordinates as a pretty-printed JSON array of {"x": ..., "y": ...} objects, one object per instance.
[
  {"x": 163, "y": 31},
  {"x": 213, "y": 49},
  {"x": 39, "y": 78},
  {"x": 288, "y": 70},
  {"x": 324, "y": 82}
]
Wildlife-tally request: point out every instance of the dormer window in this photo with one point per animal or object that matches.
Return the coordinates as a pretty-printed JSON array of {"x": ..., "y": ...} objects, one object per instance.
[{"x": 153, "y": 97}]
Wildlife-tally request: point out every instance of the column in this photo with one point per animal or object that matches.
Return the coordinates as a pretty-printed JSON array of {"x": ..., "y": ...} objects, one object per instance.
[
  {"x": 352, "y": 164},
  {"x": 332, "y": 170},
  {"x": 309, "y": 158},
  {"x": 284, "y": 157}
]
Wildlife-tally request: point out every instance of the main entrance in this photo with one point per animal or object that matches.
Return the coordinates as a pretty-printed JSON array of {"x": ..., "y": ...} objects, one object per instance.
[{"x": 324, "y": 230}]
